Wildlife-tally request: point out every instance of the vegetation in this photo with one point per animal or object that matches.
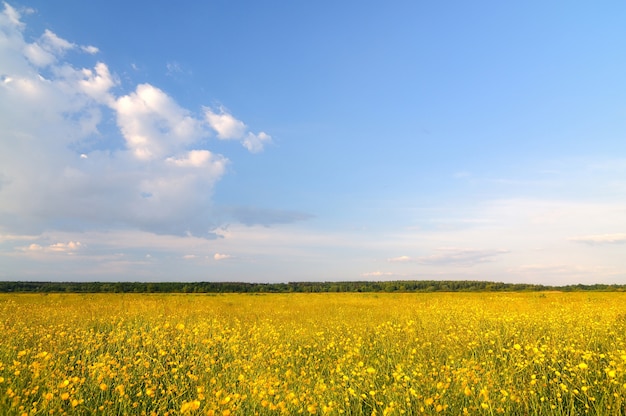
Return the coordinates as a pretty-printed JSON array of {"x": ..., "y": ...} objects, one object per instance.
[
  {"x": 292, "y": 287},
  {"x": 336, "y": 353}
]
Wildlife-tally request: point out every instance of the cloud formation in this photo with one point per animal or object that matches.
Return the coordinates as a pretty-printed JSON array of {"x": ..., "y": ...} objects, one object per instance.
[
  {"x": 451, "y": 256},
  {"x": 59, "y": 170},
  {"x": 400, "y": 259},
  {"x": 67, "y": 248},
  {"x": 459, "y": 257},
  {"x": 229, "y": 128},
  {"x": 617, "y": 238}
]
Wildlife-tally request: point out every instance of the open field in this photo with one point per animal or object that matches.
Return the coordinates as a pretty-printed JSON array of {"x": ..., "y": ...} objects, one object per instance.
[{"x": 443, "y": 353}]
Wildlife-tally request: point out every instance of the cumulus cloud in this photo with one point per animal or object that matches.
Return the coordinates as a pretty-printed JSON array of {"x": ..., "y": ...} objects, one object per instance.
[
  {"x": 67, "y": 248},
  {"x": 153, "y": 124},
  {"x": 59, "y": 170},
  {"x": 617, "y": 238},
  {"x": 229, "y": 128},
  {"x": 221, "y": 256}
]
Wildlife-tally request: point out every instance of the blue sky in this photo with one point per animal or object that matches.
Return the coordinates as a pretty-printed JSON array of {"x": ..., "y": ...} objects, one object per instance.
[{"x": 290, "y": 141}]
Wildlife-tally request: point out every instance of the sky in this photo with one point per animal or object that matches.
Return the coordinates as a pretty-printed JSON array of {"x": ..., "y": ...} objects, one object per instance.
[{"x": 313, "y": 141}]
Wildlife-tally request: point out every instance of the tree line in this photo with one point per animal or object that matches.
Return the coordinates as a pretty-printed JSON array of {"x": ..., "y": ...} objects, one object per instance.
[{"x": 291, "y": 287}]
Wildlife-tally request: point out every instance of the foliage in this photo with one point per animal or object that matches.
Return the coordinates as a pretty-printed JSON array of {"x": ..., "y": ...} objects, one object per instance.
[{"x": 402, "y": 286}]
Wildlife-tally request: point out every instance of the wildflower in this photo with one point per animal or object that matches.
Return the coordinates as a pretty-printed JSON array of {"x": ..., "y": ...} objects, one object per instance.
[{"x": 190, "y": 406}]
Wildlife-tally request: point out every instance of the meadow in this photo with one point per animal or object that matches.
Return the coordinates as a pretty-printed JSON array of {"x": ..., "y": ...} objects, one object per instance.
[{"x": 534, "y": 353}]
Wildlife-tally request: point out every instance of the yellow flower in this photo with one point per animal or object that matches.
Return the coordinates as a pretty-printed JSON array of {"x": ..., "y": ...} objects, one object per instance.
[{"x": 190, "y": 406}]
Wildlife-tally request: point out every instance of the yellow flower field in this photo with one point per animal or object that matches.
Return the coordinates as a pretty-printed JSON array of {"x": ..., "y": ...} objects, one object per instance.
[{"x": 351, "y": 354}]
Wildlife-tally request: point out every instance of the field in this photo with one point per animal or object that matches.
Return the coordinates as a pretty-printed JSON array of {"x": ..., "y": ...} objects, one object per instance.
[{"x": 351, "y": 354}]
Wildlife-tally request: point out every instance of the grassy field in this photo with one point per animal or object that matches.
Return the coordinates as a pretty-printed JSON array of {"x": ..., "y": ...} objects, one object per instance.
[{"x": 352, "y": 354}]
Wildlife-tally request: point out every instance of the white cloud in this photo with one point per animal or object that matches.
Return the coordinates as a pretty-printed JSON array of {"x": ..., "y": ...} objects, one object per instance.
[
  {"x": 13, "y": 237},
  {"x": 92, "y": 50},
  {"x": 618, "y": 238},
  {"x": 256, "y": 142},
  {"x": 229, "y": 128},
  {"x": 54, "y": 43},
  {"x": 200, "y": 159},
  {"x": 38, "y": 55},
  {"x": 12, "y": 16},
  {"x": 49, "y": 48},
  {"x": 162, "y": 177},
  {"x": 67, "y": 248},
  {"x": 221, "y": 256},
  {"x": 153, "y": 125},
  {"x": 400, "y": 259},
  {"x": 226, "y": 126},
  {"x": 460, "y": 257},
  {"x": 97, "y": 83}
]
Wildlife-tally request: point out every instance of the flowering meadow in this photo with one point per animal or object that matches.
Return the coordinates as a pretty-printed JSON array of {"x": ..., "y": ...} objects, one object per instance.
[{"x": 352, "y": 354}]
